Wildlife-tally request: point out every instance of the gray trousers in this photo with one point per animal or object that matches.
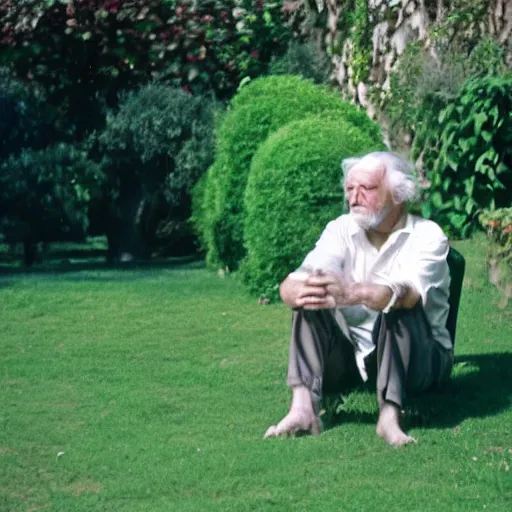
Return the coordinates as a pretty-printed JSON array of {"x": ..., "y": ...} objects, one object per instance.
[{"x": 407, "y": 359}]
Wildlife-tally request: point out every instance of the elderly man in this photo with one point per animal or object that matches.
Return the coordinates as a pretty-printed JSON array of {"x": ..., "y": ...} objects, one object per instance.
[{"x": 372, "y": 293}]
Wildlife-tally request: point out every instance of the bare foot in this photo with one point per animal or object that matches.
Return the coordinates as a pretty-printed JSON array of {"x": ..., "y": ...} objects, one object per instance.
[
  {"x": 388, "y": 426},
  {"x": 297, "y": 421}
]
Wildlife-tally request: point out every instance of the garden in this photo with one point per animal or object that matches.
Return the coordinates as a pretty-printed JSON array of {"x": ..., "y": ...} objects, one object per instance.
[{"x": 164, "y": 164}]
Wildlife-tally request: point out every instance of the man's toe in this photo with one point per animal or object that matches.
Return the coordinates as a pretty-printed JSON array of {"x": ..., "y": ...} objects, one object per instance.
[
  {"x": 271, "y": 432},
  {"x": 316, "y": 427}
]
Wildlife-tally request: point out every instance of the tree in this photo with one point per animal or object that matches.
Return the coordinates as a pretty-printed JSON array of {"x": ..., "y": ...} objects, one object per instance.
[
  {"x": 83, "y": 52},
  {"x": 25, "y": 119},
  {"x": 155, "y": 147},
  {"x": 44, "y": 196}
]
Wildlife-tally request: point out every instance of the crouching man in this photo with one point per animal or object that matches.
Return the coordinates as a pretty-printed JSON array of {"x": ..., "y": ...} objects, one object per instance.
[{"x": 372, "y": 295}]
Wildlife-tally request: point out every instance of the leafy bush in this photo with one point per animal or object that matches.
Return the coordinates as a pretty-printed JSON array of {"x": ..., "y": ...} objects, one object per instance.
[
  {"x": 292, "y": 192},
  {"x": 445, "y": 106},
  {"x": 204, "y": 196},
  {"x": 498, "y": 225},
  {"x": 303, "y": 59},
  {"x": 84, "y": 52},
  {"x": 25, "y": 119},
  {"x": 422, "y": 85},
  {"x": 154, "y": 149},
  {"x": 44, "y": 195},
  {"x": 286, "y": 92},
  {"x": 259, "y": 109},
  {"x": 198, "y": 218},
  {"x": 473, "y": 170},
  {"x": 163, "y": 135}
]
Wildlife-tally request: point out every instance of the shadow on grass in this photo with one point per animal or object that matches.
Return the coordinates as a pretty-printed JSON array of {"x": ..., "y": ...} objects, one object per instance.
[
  {"x": 480, "y": 386},
  {"x": 96, "y": 270}
]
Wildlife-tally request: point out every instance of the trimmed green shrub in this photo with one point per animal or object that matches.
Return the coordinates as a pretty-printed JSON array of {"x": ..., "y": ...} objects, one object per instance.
[
  {"x": 473, "y": 168},
  {"x": 198, "y": 209},
  {"x": 292, "y": 192},
  {"x": 259, "y": 109},
  {"x": 204, "y": 196},
  {"x": 274, "y": 99}
]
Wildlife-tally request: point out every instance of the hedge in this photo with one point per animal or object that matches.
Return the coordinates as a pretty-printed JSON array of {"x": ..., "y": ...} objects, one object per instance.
[
  {"x": 292, "y": 192},
  {"x": 258, "y": 110}
]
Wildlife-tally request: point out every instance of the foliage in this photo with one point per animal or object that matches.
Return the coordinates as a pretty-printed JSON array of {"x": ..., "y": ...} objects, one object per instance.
[
  {"x": 258, "y": 110},
  {"x": 340, "y": 21},
  {"x": 488, "y": 57},
  {"x": 419, "y": 88},
  {"x": 162, "y": 136},
  {"x": 498, "y": 226},
  {"x": 44, "y": 194},
  {"x": 361, "y": 41},
  {"x": 302, "y": 59},
  {"x": 423, "y": 84},
  {"x": 473, "y": 170},
  {"x": 434, "y": 101},
  {"x": 154, "y": 148},
  {"x": 204, "y": 197},
  {"x": 198, "y": 218},
  {"x": 292, "y": 192},
  {"x": 461, "y": 25},
  {"x": 25, "y": 119},
  {"x": 83, "y": 52}
]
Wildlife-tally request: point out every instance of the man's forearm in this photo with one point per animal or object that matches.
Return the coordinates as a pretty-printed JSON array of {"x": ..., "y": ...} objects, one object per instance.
[
  {"x": 378, "y": 296},
  {"x": 373, "y": 296},
  {"x": 324, "y": 291}
]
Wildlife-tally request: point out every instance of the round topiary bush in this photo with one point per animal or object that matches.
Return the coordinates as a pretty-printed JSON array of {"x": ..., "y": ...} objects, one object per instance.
[
  {"x": 293, "y": 190},
  {"x": 259, "y": 109},
  {"x": 198, "y": 218},
  {"x": 205, "y": 211}
]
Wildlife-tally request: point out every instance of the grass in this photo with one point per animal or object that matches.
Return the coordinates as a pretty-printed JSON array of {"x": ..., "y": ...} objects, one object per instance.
[{"x": 150, "y": 390}]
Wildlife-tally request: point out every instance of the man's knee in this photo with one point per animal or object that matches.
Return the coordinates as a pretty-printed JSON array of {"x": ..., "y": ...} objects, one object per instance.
[{"x": 319, "y": 322}]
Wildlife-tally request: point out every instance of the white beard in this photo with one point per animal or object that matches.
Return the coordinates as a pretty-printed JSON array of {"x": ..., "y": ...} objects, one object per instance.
[{"x": 370, "y": 220}]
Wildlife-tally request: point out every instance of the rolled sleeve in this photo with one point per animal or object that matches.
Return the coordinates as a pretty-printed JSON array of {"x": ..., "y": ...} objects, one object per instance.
[{"x": 427, "y": 267}]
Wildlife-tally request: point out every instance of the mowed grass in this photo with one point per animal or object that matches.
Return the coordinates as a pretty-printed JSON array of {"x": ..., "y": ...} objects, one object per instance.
[{"x": 150, "y": 390}]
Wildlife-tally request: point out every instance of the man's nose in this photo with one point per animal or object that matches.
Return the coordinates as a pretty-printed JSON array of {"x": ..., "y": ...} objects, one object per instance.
[{"x": 353, "y": 197}]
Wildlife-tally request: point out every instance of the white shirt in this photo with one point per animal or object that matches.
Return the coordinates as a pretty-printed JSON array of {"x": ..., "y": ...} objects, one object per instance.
[{"x": 415, "y": 254}]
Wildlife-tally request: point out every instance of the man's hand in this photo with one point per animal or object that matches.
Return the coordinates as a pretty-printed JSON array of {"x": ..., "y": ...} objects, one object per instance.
[
  {"x": 374, "y": 296},
  {"x": 317, "y": 291},
  {"x": 327, "y": 291},
  {"x": 336, "y": 291}
]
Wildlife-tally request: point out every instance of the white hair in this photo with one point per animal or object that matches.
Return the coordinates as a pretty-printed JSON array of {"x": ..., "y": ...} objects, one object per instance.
[{"x": 400, "y": 176}]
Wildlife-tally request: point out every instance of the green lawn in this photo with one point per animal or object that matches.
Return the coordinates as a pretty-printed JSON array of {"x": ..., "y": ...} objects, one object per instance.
[{"x": 156, "y": 386}]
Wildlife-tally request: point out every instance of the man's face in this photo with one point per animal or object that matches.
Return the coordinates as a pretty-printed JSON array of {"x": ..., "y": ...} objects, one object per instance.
[{"x": 367, "y": 193}]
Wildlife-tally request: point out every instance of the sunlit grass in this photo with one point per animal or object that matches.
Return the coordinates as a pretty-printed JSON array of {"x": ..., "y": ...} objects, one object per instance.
[{"x": 150, "y": 390}]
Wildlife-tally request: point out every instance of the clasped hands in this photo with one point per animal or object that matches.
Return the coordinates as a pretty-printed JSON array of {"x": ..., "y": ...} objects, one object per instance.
[{"x": 324, "y": 291}]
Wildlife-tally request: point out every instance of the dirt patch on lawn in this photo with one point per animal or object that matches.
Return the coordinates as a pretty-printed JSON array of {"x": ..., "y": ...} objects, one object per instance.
[{"x": 85, "y": 486}]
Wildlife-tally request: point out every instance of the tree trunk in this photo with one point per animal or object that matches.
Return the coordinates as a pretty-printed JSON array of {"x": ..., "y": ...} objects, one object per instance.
[
  {"x": 29, "y": 252},
  {"x": 126, "y": 238}
]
